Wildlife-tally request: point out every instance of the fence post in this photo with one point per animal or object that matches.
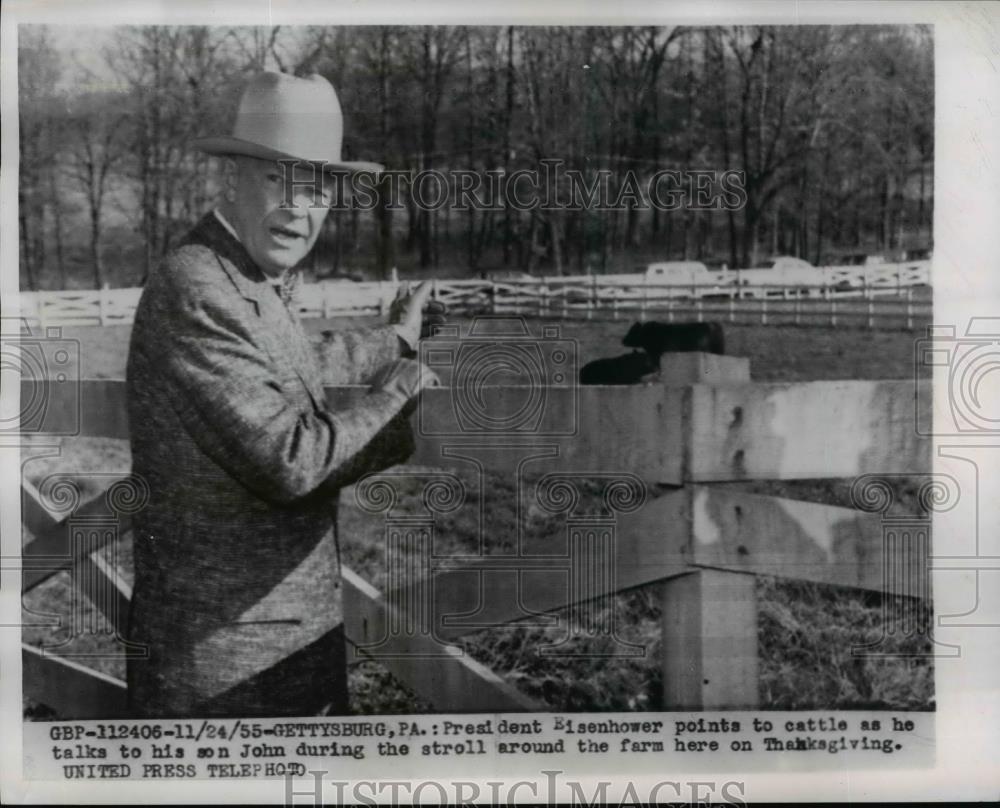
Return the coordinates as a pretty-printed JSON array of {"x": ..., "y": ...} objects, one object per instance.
[
  {"x": 102, "y": 304},
  {"x": 909, "y": 308},
  {"x": 709, "y": 623},
  {"x": 763, "y": 308},
  {"x": 710, "y": 659},
  {"x": 493, "y": 297},
  {"x": 592, "y": 307}
]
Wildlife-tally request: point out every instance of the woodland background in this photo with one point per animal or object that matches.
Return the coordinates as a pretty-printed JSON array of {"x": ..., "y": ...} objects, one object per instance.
[{"x": 832, "y": 125}]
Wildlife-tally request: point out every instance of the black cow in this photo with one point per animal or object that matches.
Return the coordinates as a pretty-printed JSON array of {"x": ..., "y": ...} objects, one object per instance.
[
  {"x": 658, "y": 338},
  {"x": 625, "y": 369}
]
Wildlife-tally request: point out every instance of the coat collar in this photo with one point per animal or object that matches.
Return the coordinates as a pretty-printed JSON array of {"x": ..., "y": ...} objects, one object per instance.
[
  {"x": 283, "y": 338},
  {"x": 248, "y": 278}
]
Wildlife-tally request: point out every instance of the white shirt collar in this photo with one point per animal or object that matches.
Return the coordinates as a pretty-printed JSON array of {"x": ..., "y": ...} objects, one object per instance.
[{"x": 223, "y": 221}]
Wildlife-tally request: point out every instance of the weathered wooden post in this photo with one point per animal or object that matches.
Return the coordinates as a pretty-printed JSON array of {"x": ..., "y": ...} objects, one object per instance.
[{"x": 709, "y": 621}]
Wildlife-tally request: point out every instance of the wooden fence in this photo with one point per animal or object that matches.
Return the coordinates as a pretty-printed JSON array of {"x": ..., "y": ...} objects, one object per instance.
[
  {"x": 701, "y": 545},
  {"x": 885, "y": 297}
]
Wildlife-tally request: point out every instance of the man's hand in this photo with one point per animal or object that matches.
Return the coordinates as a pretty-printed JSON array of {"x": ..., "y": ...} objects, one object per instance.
[
  {"x": 435, "y": 315},
  {"x": 405, "y": 378},
  {"x": 406, "y": 313}
]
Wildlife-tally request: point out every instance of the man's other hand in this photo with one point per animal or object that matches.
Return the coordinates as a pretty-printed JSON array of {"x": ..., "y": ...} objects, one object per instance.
[
  {"x": 407, "y": 313},
  {"x": 436, "y": 314},
  {"x": 405, "y": 378}
]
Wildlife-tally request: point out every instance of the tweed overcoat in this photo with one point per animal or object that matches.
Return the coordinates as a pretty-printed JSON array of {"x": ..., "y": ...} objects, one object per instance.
[{"x": 236, "y": 556}]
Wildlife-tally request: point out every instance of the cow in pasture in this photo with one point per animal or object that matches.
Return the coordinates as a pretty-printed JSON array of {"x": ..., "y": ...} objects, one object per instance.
[
  {"x": 625, "y": 369},
  {"x": 657, "y": 338}
]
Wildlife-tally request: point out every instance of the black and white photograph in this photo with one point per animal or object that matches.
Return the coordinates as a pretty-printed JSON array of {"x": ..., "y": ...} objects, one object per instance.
[{"x": 417, "y": 401}]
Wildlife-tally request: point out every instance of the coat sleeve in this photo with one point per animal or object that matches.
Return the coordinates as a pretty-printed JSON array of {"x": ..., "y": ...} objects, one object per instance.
[
  {"x": 231, "y": 399},
  {"x": 352, "y": 356}
]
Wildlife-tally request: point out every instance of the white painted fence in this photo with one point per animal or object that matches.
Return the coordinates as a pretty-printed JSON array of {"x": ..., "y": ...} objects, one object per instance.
[{"x": 732, "y": 295}]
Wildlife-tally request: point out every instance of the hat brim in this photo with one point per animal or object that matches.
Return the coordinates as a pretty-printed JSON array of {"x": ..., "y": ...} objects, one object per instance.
[{"x": 228, "y": 145}]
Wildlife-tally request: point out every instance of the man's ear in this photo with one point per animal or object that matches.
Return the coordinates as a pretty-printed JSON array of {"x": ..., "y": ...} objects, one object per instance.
[
  {"x": 229, "y": 172},
  {"x": 230, "y": 177}
]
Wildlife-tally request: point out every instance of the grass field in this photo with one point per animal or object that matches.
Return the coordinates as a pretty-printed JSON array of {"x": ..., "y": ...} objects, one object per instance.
[{"x": 806, "y": 631}]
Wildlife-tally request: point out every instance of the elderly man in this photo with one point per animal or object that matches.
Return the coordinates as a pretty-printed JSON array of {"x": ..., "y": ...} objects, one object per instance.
[{"x": 237, "y": 580}]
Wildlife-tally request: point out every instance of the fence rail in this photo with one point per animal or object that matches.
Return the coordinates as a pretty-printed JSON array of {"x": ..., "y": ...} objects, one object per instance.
[
  {"x": 890, "y": 297},
  {"x": 700, "y": 545}
]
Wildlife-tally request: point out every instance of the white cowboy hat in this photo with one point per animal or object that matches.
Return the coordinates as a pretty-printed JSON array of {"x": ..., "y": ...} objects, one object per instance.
[{"x": 281, "y": 117}]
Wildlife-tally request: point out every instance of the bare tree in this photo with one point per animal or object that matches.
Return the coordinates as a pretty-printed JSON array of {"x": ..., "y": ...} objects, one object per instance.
[
  {"x": 39, "y": 68},
  {"x": 96, "y": 138}
]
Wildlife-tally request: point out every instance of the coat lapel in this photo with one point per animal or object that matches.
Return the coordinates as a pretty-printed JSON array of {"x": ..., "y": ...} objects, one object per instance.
[{"x": 282, "y": 336}]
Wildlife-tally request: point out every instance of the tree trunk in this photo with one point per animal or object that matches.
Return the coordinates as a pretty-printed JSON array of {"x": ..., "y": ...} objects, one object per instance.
[
  {"x": 27, "y": 255},
  {"x": 95, "y": 247}
]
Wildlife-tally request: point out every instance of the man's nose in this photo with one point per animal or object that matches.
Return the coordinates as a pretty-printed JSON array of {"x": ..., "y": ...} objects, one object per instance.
[{"x": 302, "y": 200}]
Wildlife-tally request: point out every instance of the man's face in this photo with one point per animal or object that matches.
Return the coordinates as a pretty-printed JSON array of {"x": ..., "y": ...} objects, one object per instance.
[{"x": 278, "y": 236}]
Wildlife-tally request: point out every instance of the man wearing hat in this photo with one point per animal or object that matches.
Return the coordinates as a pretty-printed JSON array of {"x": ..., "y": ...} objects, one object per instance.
[{"x": 237, "y": 569}]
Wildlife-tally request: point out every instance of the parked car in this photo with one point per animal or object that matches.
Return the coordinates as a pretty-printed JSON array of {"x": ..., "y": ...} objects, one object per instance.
[
  {"x": 779, "y": 271},
  {"x": 676, "y": 271},
  {"x": 782, "y": 263}
]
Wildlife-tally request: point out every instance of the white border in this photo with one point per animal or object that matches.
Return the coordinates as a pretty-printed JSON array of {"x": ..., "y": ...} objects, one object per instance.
[{"x": 967, "y": 282}]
